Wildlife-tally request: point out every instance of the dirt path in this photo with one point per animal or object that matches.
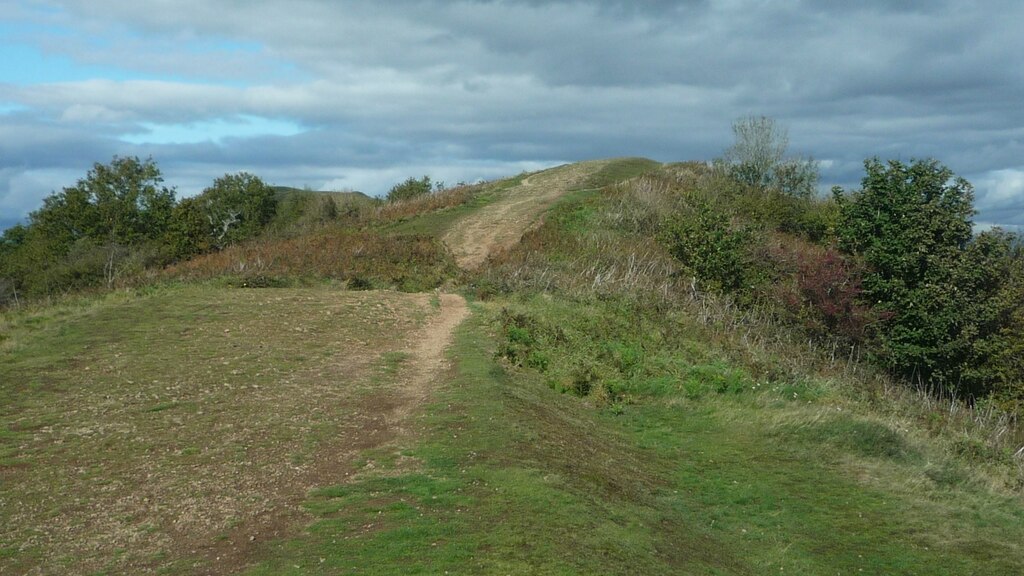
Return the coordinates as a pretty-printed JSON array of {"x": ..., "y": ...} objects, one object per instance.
[
  {"x": 426, "y": 360},
  {"x": 386, "y": 419},
  {"x": 503, "y": 223}
]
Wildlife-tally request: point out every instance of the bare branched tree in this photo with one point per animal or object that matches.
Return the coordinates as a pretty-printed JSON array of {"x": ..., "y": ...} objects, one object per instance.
[{"x": 758, "y": 158}]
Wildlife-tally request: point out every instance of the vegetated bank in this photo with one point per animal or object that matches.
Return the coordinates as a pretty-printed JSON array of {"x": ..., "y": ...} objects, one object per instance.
[
  {"x": 614, "y": 409},
  {"x": 718, "y": 329}
]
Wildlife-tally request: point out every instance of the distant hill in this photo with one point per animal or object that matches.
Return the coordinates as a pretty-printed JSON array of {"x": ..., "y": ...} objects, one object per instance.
[{"x": 284, "y": 191}]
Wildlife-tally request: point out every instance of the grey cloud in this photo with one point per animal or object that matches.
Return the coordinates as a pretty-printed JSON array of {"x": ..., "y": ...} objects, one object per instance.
[{"x": 473, "y": 84}]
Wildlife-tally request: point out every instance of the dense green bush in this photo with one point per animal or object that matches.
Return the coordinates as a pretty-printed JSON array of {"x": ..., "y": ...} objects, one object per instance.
[
  {"x": 191, "y": 231},
  {"x": 410, "y": 189},
  {"x": 705, "y": 241},
  {"x": 937, "y": 286}
]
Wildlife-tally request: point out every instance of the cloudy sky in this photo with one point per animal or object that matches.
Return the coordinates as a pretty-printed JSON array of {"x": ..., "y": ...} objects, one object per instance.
[{"x": 361, "y": 94}]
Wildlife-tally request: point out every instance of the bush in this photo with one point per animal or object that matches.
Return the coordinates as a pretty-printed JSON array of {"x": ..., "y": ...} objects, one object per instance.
[
  {"x": 410, "y": 189},
  {"x": 191, "y": 231},
  {"x": 937, "y": 288},
  {"x": 820, "y": 289},
  {"x": 704, "y": 241}
]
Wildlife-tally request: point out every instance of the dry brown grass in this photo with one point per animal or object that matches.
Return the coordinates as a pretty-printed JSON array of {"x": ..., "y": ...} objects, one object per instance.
[
  {"x": 141, "y": 434},
  {"x": 447, "y": 198},
  {"x": 365, "y": 258}
]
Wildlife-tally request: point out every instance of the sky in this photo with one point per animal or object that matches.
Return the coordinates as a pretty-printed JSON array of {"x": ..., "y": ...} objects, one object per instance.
[{"x": 359, "y": 95}]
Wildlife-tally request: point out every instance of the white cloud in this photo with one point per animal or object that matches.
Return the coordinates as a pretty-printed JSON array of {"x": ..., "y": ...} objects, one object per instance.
[
  {"x": 91, "y": 114},
  {"x": 1001, "y": 188},
  {"x": 378, "y": 182},
  {"x": 216, "y": 131}
]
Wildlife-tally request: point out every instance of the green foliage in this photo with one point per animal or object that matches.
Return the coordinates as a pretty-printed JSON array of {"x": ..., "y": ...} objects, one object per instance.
[
  {"x": 704, "y": 240},
  {"x": 815, "y": 219},
  {"x": 411, "y": 188},
  {"x": 191, "y": 231},
  {"x": 87, "y": 234},
  {"x": 12, "y": 271},
  {"x": 302, "y": 211},
  {"x": 119, "y": 220},
  {"x": 237, "y": 206},
  {"x": 123, "y": 202},
  {"x": 934, "y": 284}
]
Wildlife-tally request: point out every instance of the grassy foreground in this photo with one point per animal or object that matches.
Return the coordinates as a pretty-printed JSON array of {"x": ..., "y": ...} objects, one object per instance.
[
  {"x": 711, "y": 476},
  {"x": 594, "y": 419},
  {"x": 178, "y": 429}
]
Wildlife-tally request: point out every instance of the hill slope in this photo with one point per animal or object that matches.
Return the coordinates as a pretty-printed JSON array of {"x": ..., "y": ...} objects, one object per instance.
[
  {"x": 588, "y": 412},
  {"x": 505, "y": 220}
]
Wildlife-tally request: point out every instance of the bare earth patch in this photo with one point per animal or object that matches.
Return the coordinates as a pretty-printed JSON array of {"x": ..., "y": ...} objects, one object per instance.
[
  {"x": 503, "y": 223},
  {"x": 183, "y": 431}
]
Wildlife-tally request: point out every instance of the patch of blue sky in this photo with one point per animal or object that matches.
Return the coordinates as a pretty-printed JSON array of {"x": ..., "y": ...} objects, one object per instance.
[
  {"x": 26, "y": 65},
  {"x": 11, "y": 108},
  {"x": 216, "y": 131},
  {"x": 24, "y": 60}
]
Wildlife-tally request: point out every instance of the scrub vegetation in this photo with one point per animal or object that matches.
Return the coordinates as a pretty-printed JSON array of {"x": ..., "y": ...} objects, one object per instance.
[{"x": 691, "y": 368}]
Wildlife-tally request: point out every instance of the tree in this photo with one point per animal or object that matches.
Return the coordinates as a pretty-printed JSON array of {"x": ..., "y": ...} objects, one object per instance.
[
  {"x": 237, "y": 207},
  {"x": 935, "y": 285},
  {"x": 86, "y": 232},
  {"x": 758, "y": 159},
  {"x": 409, "y": 189},
  {"x": 121, "y": 203}
]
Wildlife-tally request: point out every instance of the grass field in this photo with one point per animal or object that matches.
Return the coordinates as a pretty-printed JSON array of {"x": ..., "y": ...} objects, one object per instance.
[
  {"x": 163, "y": 430},
  {"x": 508, "y": 476}
]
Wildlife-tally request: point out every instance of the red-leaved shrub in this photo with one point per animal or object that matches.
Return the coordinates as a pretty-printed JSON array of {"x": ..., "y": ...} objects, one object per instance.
[{"x": 819, "y": 288}]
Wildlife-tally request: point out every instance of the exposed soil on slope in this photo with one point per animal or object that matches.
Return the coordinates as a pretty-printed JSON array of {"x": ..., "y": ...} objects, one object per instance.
[{"x": 503, "y": 223}]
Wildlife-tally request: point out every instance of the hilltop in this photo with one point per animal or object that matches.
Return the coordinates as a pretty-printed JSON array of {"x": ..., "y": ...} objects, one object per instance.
[{"x": 615, "y": 367}]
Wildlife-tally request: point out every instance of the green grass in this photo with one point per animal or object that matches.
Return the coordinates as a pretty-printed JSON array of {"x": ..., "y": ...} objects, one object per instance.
[
  {"x": 437, "y": 222},
  {"x": 508, "y": 477},
  {"x": 619, "y": 170},
  {"x": 150, "y": 424},
  {"x": 588, "y": 424}
]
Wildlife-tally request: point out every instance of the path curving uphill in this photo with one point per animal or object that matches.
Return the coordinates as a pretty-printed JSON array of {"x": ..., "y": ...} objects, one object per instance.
[{"x": 502, "y": 224}]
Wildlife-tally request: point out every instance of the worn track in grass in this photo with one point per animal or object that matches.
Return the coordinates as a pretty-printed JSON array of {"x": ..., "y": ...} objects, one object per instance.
[
  {"x": 182, "y": 432},
  {"x": 502, "y": 223}
]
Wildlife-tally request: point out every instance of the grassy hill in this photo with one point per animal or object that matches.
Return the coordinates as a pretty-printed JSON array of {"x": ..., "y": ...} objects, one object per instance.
[{"x": 599, "y": 412}]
